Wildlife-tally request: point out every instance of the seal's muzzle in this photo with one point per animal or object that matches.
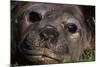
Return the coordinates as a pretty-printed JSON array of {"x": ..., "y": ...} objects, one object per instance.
[{"x": 49, "y": 33}]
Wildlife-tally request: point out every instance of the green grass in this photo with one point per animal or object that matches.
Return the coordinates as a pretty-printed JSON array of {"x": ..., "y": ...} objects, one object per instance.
[{"x": 88, "y": 55}]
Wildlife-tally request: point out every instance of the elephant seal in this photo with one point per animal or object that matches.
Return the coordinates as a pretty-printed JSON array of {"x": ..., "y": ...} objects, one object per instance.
[{"x": 44, "y": 33}]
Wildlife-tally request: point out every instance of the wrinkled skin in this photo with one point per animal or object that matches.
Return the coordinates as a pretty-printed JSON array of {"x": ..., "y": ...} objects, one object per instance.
[{"x": 49, "y": 33}]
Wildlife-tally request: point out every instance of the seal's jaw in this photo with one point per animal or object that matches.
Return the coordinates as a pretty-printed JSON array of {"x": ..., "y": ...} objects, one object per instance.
[{"x": 41, "y": 55}]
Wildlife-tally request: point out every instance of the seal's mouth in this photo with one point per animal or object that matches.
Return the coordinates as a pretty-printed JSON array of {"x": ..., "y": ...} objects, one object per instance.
[{"x": 43, "y": 55}]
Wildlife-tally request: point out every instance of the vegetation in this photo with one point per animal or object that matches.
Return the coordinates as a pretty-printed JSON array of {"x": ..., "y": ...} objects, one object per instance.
[{"x": 88, "y": 55}]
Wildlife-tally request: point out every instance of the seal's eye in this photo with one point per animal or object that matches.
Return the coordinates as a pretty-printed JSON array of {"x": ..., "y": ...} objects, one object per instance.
[
  {"x": 34, "y": 17},
  {"x": 71, "y": 27}
]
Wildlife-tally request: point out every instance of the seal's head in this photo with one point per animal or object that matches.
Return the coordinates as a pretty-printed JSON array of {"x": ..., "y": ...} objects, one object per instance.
[{"x": 51, "y": 33}]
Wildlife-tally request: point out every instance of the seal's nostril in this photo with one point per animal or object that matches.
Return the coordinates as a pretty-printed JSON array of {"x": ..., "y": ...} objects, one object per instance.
[{"x": 48, "y": 32}]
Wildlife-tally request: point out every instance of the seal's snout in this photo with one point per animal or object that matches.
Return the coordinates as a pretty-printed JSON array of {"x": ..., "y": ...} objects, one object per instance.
[{"x": 49, "y": 33}]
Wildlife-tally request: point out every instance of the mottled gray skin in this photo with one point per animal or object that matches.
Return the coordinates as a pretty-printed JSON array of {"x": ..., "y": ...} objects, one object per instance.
[{"x": 47, "y": 41}]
